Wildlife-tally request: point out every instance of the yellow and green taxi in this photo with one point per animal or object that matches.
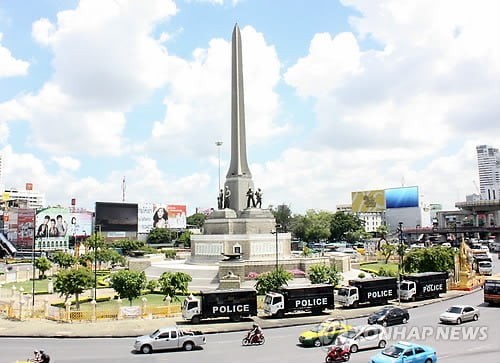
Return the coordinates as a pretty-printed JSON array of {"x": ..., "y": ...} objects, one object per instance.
[{"x": 323, "y": 333}]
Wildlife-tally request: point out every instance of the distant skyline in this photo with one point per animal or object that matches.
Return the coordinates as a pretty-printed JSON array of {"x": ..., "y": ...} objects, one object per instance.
[{"x": 340, "y": 96}]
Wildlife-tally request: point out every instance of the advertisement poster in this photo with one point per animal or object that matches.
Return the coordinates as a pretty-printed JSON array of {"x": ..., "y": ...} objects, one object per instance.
[
  {"x": 145, "y": 217},
  {"x": 25, "y": 227},
  {"x": 368, "y": 201},
  {"x": 404, "y": 197},
  {"x": 80, "y": 224},
  {"x": 176, "y": 216},
  {"x": 52, "y": 229},
  {"x": 160, "y": 216}
]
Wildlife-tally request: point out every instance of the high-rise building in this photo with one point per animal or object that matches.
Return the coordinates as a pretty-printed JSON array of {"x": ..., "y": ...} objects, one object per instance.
[
  {"x": 25, "y": 198},
  {"x": 488, "y": 162}
]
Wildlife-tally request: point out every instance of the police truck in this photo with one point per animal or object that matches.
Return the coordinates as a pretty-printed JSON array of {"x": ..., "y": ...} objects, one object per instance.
[
  {"x": 423, "y": 285},
  {"x": 310, "y": 298},
  {"x": 227, "y": 303},
  {"x": 377, "y": 290}
]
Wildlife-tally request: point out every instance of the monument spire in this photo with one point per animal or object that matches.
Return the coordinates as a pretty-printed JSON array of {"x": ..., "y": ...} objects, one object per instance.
[
  {"x": 239, "y": 164},
  {"x": 239, "y": 177}
]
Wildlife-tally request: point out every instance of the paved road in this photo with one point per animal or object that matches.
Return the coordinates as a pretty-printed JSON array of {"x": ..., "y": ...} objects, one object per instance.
[{"x": 282, "y": 343}]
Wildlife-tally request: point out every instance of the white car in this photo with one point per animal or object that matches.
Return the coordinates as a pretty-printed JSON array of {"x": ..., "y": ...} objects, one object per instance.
[
  {"x": 363, "y": 337},
  {"x": 459, "y": 313}
]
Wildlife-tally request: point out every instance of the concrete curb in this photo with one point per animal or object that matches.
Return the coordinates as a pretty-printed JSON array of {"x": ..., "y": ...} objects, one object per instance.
[{"x": 114, "y": 329}]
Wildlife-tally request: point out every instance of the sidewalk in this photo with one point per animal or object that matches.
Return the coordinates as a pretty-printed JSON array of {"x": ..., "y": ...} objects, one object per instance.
[{"x": 132, "y": 328}]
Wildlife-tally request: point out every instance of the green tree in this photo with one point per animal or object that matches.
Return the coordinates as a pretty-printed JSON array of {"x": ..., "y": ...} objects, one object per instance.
[
  {"x": 173, "y": 283},
  {"x": 283, "y": 216},
  {"x": 128, "y": 245},
  {"x": 43, "y": 265},
  {"x": 382, "y": 231},
  {"x": 298, "y": 227},
  {"x": 63, "y": 259},
  {"x": 387, "y": 250},
  {"x": 159, "y": 235},
  {"x": 435, "y": 259},
  {"x": 197, "y": 219},
  {"x": 96, "y": 240},
  {"x": 342, "y": 223},
  {"x": 317, "y": 226},
  {"x": 128, "y": 284},
  {"x": 185, "y": 238},
  {"x": 73, "y": 282},
  {"x": 152, "y": 285},
  {"x": 324, "y": 274},
  {"x": 272, "y": 280}
]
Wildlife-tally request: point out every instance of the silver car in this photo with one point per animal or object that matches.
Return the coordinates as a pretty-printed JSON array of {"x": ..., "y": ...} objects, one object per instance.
[{"x": 459, "y": 313}]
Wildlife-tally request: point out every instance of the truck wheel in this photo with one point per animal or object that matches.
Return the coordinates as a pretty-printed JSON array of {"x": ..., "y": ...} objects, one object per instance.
[
  {"x": 354, "y": 348},
  {"x": 355, "y": 304},
  {"x": 195, "y": 319},
  {"x": 280, "y": 314},
  {"x": 235, "y": 318},
  {"x": 188, "y": 346},
  {"x": 146, "y": 349},
  {"x": 317, "y": 343}
]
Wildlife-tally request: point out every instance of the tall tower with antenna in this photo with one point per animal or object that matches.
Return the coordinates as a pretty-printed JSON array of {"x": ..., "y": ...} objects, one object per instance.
[{"x": 124, "y": 187}]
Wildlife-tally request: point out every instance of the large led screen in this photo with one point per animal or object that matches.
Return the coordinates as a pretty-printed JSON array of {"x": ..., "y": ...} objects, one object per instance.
[
  {"x": 116, "y": 217},
  {"x": 368, "y": 201},
  {"x": 404, "y": 197}
]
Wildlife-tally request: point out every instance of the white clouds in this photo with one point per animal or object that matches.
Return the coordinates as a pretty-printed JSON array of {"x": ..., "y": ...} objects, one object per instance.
[
  {"x": 10, "y": 66},
  {"x": 67, "y": 162},
  {"x": 329, "y": 61},
  {"x": 198, "y": 104},
  {"x": 43, "y": 31}
]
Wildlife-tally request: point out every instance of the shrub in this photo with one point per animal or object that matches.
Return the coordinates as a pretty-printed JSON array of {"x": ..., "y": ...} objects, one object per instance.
[
  {"x": 170, "y": 254},
  {"x": 361, "y": 275}
]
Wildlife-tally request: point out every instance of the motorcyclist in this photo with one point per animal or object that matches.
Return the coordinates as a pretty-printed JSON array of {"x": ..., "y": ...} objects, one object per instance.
[{"x": 256, "y": 331}]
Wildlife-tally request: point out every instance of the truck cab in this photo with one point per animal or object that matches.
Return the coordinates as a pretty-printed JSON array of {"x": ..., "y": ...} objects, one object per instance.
[
  {"x": 274, "y": 303},
  {"x": 191, "y": 308},
  {"x": 347, "y": 296},
  {"x": 407, "y": 290}
]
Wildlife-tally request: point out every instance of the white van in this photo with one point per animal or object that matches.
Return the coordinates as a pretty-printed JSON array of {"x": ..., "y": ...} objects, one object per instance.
[
  {"x": 485, "y": 267},
  {"x": 363, "y": 337}
]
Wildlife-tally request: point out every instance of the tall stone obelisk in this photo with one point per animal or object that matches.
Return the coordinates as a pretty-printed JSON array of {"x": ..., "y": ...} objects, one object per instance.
[{"x": 238, "y": 178}]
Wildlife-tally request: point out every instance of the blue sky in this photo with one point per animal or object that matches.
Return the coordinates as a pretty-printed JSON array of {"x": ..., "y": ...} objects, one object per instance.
[{"x": 340, "y": 96}]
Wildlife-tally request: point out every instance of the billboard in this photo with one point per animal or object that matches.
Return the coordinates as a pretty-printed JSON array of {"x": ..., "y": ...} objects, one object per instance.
[
  {"x": 52, "y": 228},
  {"x": 403, "y": 197},
  {"x": 80, "y": 224},
  {"x": 368, "y": 201},
  {"x": 116, "y": 217},
  {"x": 176, "y": 216},
  {"x": 145, "y": 217},
  {"x": 160, "y": 216},
  {"x": 25, "y": 228}
]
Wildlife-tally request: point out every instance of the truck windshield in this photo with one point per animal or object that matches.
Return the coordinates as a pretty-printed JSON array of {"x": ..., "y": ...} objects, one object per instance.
[
  {"x": 343, "y": 291},
  {"x": 405, "y": 286},
  {"x": 268, "y": 299}
]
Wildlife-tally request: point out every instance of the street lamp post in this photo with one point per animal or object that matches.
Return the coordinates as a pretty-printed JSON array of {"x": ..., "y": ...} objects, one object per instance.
[
  {"x": 97, "y": 230},
  {"x": 218, "y": 144},
  {"x": 400, "y": 229},
  {"x": 33, "y": 261},
  {"x": 277, "y": 226}
]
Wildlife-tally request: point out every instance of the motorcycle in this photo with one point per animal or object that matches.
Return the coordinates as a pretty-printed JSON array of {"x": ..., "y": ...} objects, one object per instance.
[
  {"x": 256, "y": 339},
  {"x": 338, "y": 354}
]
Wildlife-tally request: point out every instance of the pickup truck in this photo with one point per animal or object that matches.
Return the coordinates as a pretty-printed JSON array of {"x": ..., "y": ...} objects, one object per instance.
[{"x": 169, "y": 338}]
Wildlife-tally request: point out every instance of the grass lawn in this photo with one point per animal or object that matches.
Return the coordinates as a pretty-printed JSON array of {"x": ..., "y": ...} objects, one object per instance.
[
  {"x": 40, "y": 285},
  {"x": 374, "y": 267},
  {"x": 153, "y": 300}
]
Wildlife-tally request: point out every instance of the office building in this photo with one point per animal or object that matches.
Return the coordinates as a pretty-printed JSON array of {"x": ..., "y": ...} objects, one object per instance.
[{"x": 488, "y": 162}]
